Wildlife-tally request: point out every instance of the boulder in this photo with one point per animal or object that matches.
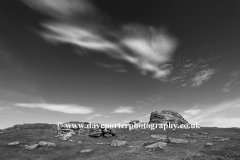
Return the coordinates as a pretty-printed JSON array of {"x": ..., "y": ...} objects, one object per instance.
[
  {"x": 209, "y": 144},
  {"x": 118, "y": 143},
  {"x": 86, "y": 150},
  {"x": 177, "y": 140},
  {"x": 46, "y": 144},
  {"x": 159, "y": 136},
  {"x": 31, "y": 147},
  {"x": 166, "y": 117},
  {"x": 157, "y": 145}
]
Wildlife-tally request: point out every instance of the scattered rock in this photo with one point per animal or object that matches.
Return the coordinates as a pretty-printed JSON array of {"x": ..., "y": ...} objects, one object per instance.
[
  {"x": 192, "y": 141},
  {"x": 203, "y": 133},
  {"x": 46, "y": 144},
  {"x": 13, "y": 143},
  {"x": 118, "y": 143},
  {"x": 103, "y": 143},
  {"x": 95, "y": 130},
  {"x": 79, "y": 141},
  {"x": 71, "y": 140},
  {"x": 217, "y": 137},
  {"x": 178, "y": 140},
  {"x": 160, "y": 137},
  {"x": 32, "y": 147},
  {"x": 209, "y": 144},
  {"x": 158, "y": 144},
  {"x": 167, "y": 116},
  {"x": 86, "y": 150},
  {"x": 224, "y": 139}
]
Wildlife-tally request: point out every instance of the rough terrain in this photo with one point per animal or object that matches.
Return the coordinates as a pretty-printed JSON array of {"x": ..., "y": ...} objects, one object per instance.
[{"x": 180, "y": 144}]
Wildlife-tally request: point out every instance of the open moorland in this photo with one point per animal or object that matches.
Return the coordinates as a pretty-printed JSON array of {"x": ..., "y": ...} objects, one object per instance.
[{"x": 41, "y": 142}]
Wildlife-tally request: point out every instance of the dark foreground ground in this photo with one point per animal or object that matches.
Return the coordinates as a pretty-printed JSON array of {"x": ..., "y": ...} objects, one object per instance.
[{"x": 195, "y": 149}]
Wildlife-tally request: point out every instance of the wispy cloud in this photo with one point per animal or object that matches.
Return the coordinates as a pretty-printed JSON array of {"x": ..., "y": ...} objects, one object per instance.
[
  {"x": 215, "y": 114},
  {"x": 5, "y": 108},
  {"x": 65, "y": 108},
  {"x": 116, "y": 67},
  {"x": 184, "y": 71},
  {"x": 80, "y": 23},
  {"x": 202, "y": 76},
  {"x": 235, "y": 80},
  {"x": 124, "y": 110},
  {"x": 191, "y": 112},
  {"x": 145, "y": 117},
  {"x": 93, "y": 116},
  {"x": 11, "y": 73}
]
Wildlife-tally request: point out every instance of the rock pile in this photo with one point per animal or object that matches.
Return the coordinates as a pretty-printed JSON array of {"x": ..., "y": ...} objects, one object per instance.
[
  {"x": 167, "y": 116},
  {"x": 87, "y": 129}
]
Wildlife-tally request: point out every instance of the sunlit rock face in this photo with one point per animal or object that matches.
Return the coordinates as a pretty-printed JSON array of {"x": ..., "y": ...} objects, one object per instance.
[{"x": 166, "y": 117}]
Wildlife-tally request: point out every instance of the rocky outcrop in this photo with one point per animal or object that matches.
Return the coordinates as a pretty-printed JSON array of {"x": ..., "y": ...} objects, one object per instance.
[{"x": 167, "y": 116}]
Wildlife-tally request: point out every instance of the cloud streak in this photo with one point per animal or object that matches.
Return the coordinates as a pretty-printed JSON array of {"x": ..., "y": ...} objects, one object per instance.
[
  {"x": 124, "y": 110},
  {"x": 93, "y": 116},
  {"x": 80, "y": 23},
  {"x": 233, "y": 82},
  {"x": 214, "y": 115},
  {"x": 64, "y": 108},
  {"x": 202, "y": 76}
]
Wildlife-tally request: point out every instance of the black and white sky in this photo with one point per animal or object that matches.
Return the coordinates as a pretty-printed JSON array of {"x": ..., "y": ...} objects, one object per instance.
[{"x": 112, "y": 61}]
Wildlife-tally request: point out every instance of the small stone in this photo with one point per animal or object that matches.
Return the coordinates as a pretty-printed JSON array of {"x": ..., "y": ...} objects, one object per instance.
[
  {"x": 217, "y": 137},
  {"x": 118, "y": 143},
  {"x": 46, "y": 144},
  {"x": 86, "y": 150},
  {"x": 178, "y": 140},
  {"x": 159, "y": 136},
  {"x": 79, "y": 141},
  {"x": 203, "y": 133},
  {"x": 224, "y": 139},
  {"x": 208, "y": 144},
  {"x": 13, "y": 143},
  {"x": 158, "y": 144},
  {"x": 71, "y": 140},
  {"x": 31, "y": 147},
  {"x": 192, "y": 141}
]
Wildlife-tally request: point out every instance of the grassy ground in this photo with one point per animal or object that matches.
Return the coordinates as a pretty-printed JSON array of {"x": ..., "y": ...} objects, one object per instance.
[{"x": 65, "y": 150}]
